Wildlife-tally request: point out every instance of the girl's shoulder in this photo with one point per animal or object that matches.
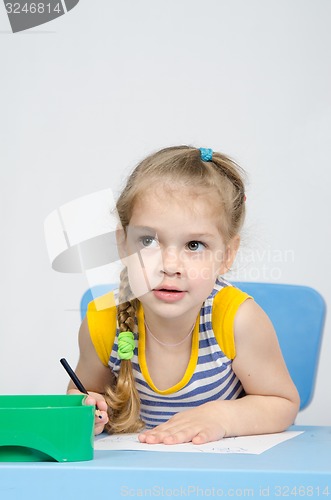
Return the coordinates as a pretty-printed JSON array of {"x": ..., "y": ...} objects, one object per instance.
[
  {"x": 101, "y": 318},
  {"x": 225, "y": 304},
  {"x": 226, "y": 296}
]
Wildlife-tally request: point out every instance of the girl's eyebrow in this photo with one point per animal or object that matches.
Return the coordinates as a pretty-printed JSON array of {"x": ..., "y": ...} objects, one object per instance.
[
  {"x": 142, "y": 229},
  {"x": 189, "y": 236},
  {"x": 200, "y": 236}
]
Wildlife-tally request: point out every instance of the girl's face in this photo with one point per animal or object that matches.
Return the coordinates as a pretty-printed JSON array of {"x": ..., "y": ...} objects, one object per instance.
[{"x": 174, "y": 250}]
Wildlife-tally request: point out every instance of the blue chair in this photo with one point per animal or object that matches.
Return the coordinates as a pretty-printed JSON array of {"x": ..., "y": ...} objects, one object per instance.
[{"x": 298, "y": 315}]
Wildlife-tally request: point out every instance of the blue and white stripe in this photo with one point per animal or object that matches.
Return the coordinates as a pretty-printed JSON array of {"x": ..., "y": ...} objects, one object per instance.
[{"x": 212, "y": 378}]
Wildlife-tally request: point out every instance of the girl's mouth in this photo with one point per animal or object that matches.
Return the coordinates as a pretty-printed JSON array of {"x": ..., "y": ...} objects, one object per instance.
[{"x": 168, "y": 294}]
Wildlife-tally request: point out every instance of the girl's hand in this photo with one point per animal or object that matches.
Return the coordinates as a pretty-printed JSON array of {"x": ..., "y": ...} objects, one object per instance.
[
  {"x": 199, "y": 425},
  {"x": 101, "y": 415}
]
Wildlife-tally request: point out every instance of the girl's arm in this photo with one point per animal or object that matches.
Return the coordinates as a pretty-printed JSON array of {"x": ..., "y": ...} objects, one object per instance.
[
  {"x": 94, "y": 376},
  {"x": 271, "y": 402}
]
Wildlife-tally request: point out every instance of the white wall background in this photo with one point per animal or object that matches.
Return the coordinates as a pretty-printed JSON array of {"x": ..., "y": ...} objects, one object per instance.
[{"x": 86, "y": 96}]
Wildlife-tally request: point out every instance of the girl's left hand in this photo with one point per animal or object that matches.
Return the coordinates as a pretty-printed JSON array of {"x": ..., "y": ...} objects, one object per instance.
[{"x": 199, "y": 425}]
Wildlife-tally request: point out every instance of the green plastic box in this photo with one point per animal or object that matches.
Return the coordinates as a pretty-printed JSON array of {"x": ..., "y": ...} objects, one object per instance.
[{"x": 42, "y": 428}]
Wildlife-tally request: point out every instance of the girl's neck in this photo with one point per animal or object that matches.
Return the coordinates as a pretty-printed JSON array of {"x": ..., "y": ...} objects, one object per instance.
[
  {"x": 169, "y": 344},
  {"x": 170, "y": 330}
]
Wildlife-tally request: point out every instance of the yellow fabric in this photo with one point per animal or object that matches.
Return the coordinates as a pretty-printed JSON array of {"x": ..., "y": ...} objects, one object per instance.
[
  {"x": 102, "y": 319},
  {"x": 225, "y": 307},
  {"x": 142, "y": 358}
]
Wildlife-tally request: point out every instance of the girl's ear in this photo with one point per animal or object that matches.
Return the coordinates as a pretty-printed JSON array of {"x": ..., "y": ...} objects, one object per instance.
[
  {"x": 121, "y": 242},
  {"x": 231, "y": 252}
]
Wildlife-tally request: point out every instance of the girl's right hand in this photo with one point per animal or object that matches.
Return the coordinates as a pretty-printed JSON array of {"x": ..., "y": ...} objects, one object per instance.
[{"x": 101, "y": 415}]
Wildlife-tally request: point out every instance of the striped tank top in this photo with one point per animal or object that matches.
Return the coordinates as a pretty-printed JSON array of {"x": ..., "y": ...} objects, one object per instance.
[{"x": 209, "y": 375}]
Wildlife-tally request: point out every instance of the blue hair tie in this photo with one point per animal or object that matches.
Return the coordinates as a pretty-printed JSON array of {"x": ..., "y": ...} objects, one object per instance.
[{"x": 206, "y": 154}]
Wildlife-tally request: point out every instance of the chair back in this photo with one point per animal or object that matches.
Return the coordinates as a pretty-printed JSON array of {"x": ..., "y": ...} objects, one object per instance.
[{"x": 298, "y": 315}]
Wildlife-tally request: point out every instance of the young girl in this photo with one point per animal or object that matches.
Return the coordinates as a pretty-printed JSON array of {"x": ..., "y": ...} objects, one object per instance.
[{"x": 184, "y": 356}]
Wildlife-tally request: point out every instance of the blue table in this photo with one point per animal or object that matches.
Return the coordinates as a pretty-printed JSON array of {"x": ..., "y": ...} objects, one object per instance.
[{"x": 298, "y": 468}]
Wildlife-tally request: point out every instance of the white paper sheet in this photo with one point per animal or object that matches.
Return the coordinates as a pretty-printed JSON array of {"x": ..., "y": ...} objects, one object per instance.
[{"x": 243, "y": 444}]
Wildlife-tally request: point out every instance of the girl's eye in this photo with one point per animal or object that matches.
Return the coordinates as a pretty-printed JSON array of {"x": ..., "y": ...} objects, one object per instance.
[
  {"x": 195, "y": 246},
  {"x": 148, "y": 241}
]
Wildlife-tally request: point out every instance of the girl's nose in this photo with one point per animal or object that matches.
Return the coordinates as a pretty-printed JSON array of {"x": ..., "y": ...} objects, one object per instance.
[{"x": 171, "y": 262}]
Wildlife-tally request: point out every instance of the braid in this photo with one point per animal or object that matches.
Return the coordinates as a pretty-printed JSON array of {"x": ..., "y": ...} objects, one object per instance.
[
  {"x": 126, "y": 309},
  {"x": 123, "y": 399}
]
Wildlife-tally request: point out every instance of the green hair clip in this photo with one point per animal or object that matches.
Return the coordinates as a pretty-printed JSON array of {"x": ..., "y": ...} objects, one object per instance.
[{"x": 126, "y": 345}]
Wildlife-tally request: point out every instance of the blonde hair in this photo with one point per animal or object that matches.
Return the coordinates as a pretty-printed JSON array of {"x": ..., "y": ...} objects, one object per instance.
[
  {"x": 174, "y": 166},
  {"x": 123, "y": 399}
]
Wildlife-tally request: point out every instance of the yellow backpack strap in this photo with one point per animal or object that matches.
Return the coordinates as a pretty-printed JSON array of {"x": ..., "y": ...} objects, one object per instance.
[
  {"x": 101, "y": 319},
  {"x": 224, "y": 309}
]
